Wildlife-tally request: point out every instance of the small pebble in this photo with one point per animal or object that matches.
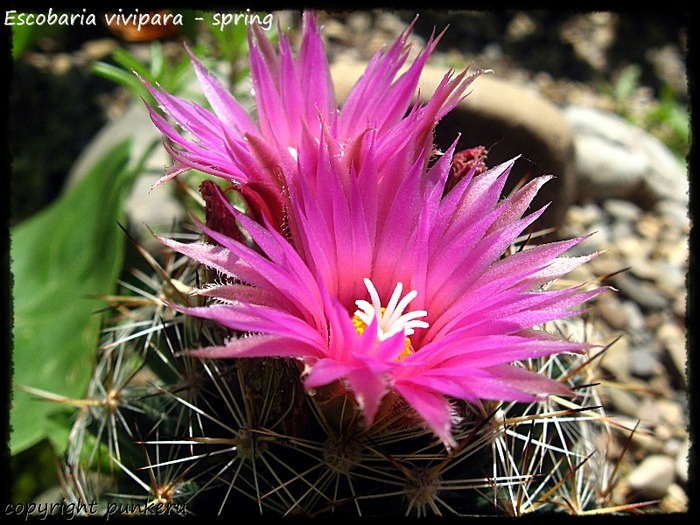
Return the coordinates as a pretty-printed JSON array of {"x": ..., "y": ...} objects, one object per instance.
[
  {"x": 671, "y": 413},
  {"x": 585, "y": 214},
  {"x": 609, "y": 307},
  {"x": 653, "y": 476},
  {"x": 680, "y": 304},
  {"x": 622, "y": 210},
  {"x": 647, "y": 443},
  {"x": 643, "y": 267},
  {"x": 675, "y": 500},
  {"x": 682, "y": 463},
  {"x": 635, "y": 318},
  {"x": 673, "y": 340},
  {"x": 622, "y": 234},
  {"x": 674, "y": 252},
  {"x": 624, "y": 402},
  {"x": 669, "y": 278},
  {"x": 649, "y": 227},
  {"x": 99, "y": 49},
  {"x": 617, "y": 359},
  {"x": 644, "y": 361},
  {"x": 648, "y": 411},
  {"x": 641, "y": 292},
  {"x": 62, "y": 64},
  {"x": 675, "y": 211}
]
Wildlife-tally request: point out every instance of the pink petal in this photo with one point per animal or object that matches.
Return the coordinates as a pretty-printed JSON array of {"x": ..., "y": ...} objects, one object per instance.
[
  {"x": 317, "y": 88},
  {"x": 256, "y": 346},
  {"x": 224, "y": 104},
  {"x": 433, "y": 408},
  {"x": 253, "y": 318},
  {"x": 325, "y": 371},
  {"x": 368, "y": 389}
]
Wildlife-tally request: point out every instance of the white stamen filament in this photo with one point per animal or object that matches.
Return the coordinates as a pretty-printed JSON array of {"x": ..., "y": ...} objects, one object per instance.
[{"x": 392, "y": 320}]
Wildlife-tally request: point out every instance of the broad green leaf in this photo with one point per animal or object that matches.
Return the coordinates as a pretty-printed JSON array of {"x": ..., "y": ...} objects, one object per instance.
[{"x": 60, "y": 260}]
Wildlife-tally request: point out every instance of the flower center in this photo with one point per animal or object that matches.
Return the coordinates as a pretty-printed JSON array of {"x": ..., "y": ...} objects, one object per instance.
[{"x": 391, "y": 318}]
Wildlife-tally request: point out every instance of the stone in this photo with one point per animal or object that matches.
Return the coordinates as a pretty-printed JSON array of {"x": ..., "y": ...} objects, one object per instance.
[
  {"x": 591, "y": 35},
  {"x": 682, "y": 462},
  {"x": 670, "y": 66},
  {"x": 644, "y": 362},
  {"x": 672, "y": 446},
  {"x": 508, "y": 119},
  {"x": 680, "y": 304},
  {"x": 609, "y": 307},
  {"x": 636, "y": 322},
  {"x": 647, "y": 411},
  {"x": 669, "y": 278},
  {"x": 624, "y": 402},
  {"x": 615, "y": 159},
  {"x": 630, "y": 245},
  {"x": 621, "y": 232},
  {"x": 584, "y": 214},
  {"x": 99, "y": 49},
  {"x": 675, "y": 500},
  {"x": 673, "y": 248},
  {"x": 608, "y": 263},
  {"x": 134, "y": 124},
  {"x": 616, "y": 359},
  {"x": 649, "y": 227},
  {"x": 641, "y": 292},
  {"x": 61, "y": 64},
  {"x": 646, "y": 442},
  {"x": 676, "y": 212},
  {"x": 156, "y": 208},
  {"x": 622, "y": 210},
  {"x": 673, "y": 340},
  {"x": 653, "y": 476},
  {"x": 642, "y": 266},
  {"x": 671, "y": 413}
]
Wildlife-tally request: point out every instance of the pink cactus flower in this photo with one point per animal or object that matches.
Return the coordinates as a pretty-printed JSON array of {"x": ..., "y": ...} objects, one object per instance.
[{"x": 362, "y": 266}]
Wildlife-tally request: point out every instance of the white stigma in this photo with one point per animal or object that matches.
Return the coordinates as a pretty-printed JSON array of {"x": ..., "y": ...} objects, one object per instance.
[{"x": 391, "y": 320}]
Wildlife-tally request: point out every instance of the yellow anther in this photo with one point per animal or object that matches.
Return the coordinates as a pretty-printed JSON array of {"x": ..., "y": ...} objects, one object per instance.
[{"x": 360, "y": 326}]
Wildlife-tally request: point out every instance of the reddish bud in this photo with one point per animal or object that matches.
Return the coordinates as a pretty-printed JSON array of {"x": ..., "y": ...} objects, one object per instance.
[
  {"x": 219, "y": 217},
  {"x": 463, "y": 162}
]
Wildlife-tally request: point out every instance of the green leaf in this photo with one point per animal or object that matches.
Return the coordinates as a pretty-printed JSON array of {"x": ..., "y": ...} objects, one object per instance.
[
  {"x": 120, "y": 76},
  {"x": 60, "y": 260},
  {"x": 158, "y": 71},
  {"x": 129, "y": 62}
]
